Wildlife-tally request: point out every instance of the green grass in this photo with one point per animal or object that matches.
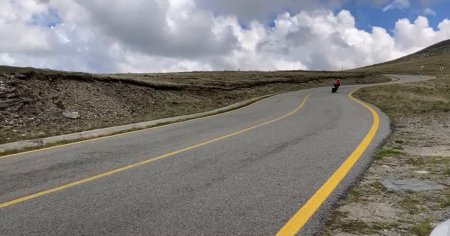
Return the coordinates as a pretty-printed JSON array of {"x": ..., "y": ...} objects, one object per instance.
[
  {"x": 354, "y": 195},
  {"x": 385, "y": 152},
  {"x": 446, "y": 203},
  {"x": 416, "y": 161},
  {"x": 447, "y": 171},
  {"x": 422, "y": 229},
  {"x": 411, "y": 203}
]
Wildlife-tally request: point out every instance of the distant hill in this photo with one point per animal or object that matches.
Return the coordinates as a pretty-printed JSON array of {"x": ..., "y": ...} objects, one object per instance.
[
  {"x": 432, "y": 58},
  {"x": 433, "y": 50}
]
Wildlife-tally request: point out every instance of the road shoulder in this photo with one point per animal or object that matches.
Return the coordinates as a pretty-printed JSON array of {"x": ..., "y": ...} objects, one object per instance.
[{"x": 406, "y": 190}]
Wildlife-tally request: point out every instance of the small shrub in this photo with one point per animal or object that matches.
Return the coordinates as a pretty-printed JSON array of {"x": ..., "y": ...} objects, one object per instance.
[{"x": 422, "y": 229}]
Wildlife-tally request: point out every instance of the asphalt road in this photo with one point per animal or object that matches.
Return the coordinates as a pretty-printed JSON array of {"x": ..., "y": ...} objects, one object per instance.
[{"x": 243, "y": 172}]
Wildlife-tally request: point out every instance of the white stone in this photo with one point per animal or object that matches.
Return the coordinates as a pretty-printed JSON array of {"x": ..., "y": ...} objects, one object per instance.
[{"x": 71, "y": 115}]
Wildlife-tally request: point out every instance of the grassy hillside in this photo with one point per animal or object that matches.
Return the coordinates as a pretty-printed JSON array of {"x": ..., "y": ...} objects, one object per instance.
[
  {"x": 425, "y": 97},
  {"x": 432, "y": 58},
  {"x": 230, "y": 80}
]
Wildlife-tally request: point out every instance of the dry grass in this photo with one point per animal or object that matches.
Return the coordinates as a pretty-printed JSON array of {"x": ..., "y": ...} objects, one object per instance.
[
  {"x": 426, "y": 97},
  {"x": 221, "y": 80},
  {"x": 228, "y": 80},
  {"x": 413, "y": 66},
  {"x": 401, "y": 99}
]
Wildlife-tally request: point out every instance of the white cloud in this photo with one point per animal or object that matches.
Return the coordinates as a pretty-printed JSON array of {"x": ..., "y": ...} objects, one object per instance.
[
  {"x": 397, "y": 4},
  {"x": 16, "y": 34},
  {"x": 429, "y": 12},
  {"x": 185, "y": 35},
  {"x": 413, "y": 36}
]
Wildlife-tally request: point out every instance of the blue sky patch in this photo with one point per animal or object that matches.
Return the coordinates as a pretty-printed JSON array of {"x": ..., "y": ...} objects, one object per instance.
[
  {"x": 367, "y": 16},
  {"x": 48, "y": 19}
]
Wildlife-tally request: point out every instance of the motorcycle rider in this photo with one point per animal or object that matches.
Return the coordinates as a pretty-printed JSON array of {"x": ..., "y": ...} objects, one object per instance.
[{"x": 337, "y": 83}]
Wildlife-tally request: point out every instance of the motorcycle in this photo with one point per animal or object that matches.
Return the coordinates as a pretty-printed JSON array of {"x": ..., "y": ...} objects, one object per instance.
[{"x": 335, "y": 88}]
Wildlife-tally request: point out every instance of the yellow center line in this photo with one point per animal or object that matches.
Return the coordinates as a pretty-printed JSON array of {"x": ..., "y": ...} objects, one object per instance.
[
  {"x": 131, "y": 166},
  {"x": 301, "y": 217}
]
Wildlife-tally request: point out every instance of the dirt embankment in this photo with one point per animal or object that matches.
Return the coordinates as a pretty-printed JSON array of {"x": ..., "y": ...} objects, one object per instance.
[{"x": 40, "y": 104}]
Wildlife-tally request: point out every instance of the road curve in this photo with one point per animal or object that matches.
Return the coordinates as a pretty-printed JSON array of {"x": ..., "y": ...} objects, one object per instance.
[{"x": 244, "y": 172}]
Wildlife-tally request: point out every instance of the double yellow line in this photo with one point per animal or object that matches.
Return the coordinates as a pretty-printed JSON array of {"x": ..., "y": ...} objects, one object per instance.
[
  {"x": 299, "y": 219},
  {"x": 153, "y": 159}
]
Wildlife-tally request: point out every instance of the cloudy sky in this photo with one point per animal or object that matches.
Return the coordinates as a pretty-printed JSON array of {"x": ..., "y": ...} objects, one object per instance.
[{"x": 186, "y": 35}]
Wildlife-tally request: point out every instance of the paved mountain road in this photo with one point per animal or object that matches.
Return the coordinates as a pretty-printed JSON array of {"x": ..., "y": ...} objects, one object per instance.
[{"x": 243, "y": 172}]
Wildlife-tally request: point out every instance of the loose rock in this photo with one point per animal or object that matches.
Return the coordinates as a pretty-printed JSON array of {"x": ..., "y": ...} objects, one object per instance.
[
  {"x": 412, "y": 185},
  {"x": 71, "y": 115},
  {"x": 370, "y": 212},
  {"x": 20, "y": 76}
]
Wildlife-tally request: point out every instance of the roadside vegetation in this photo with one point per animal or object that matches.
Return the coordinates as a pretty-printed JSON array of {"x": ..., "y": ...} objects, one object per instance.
[
  {"x": 417, "y": 151},
  {"x": 414, "y": 98}
]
